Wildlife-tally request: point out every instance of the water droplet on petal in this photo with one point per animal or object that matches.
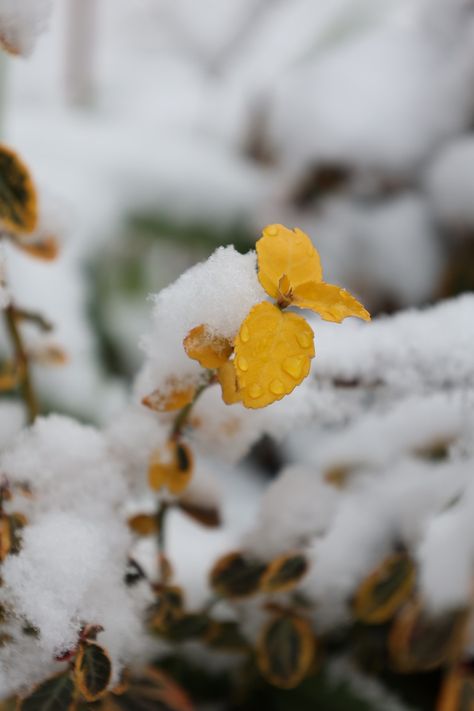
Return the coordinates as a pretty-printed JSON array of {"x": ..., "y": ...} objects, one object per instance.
[
  {"x": 304, "y": 340},
  {"x": 242, "y": 363},
  {"x": 277, "y": 387},
  {"x": 271, "y": 230},
  {"x": 255, "y": 391},
  {"x": 293, "y": 366},
  {"x": 244, "y": 334}
]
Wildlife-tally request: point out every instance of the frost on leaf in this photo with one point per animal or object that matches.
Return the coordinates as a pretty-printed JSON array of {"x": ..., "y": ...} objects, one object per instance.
[
  {"x": 171, "y": 467},
  {"x": 18, "y": 201},
  {"x": 209, "y": 350},
  {"x": 273, "y": 352}
]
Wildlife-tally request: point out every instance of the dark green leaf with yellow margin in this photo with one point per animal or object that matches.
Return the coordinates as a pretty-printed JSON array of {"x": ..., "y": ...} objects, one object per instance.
[
  {"x": 236, "y": 575},
  {"x": 284, "y": 573},
  {"x": 286, "y": 650},
  {"x": 54, "y": 694},
  {"x": 419, "y": 641},
  {"x": 385, "y": 590},
  {"x": 93, "y": 670}
]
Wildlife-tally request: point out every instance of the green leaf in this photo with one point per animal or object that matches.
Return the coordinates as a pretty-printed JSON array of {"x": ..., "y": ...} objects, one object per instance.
[
  {"x": 187, "y": 627},
  {"x": 385, "y": 590},
  {"x": 93, "y": 670},
  {"x": 152, "y": 690},
  {"x": 286, "y": 651},
  {"x": 421, "y": 642},
  {"x": 55, "y": 694},
  {"x": 235, "y": 575},
  {"x": 284, "y": 573}
]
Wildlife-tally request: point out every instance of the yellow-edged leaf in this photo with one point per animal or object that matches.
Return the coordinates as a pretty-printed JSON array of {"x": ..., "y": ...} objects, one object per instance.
[
  {"x": 385, "y": 590},
  {"x": 236, "y": 575},
  {"x": 171, "y": 398},
  {"x": 227, "y": 378},
  {"x": 457, "y": 691},
  {"x": 286, "y": 650},
  {"x": 331, "y": 302},
  {"x": 273, "y": 352},
  {"x": 209, "y": 350},
  {"x": 92, "y": 670},
  {"x": 284, "y": 573},
  {"x": 18, "y": 201},
  {"x": 171, "y": 467},
  {"x": 11, "y": 376},
  {"x": 286, "y": 253},
  {"x": 420, "y": 642}
]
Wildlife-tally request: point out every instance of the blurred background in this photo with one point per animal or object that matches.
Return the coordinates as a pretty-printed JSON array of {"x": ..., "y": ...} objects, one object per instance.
[{"x": 160, "y": 129}]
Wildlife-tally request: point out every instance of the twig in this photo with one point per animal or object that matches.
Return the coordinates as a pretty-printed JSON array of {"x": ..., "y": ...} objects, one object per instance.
[{"x": 21, "y": 357}]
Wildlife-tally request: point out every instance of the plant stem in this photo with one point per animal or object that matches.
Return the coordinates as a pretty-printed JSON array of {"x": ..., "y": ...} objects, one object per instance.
[
  {"x": 161, "y": 538},
  {"x": 21, "y": 357},
  {"x": 183, "y": 415}
]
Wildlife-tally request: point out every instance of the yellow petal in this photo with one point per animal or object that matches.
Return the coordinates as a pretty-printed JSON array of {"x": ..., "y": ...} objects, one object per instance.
[
  {"x": 284, "y": 252},
  {"x": 273, "y": 353},
  {"x": 174, "y": 398},
  {"x": 209, "y": 350},
  {"x": 331, "y": 302},
  {"x": 227, "y": 378}
]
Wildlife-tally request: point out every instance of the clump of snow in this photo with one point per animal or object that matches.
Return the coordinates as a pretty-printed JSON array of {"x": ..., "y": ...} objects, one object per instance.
[
  {"x": 67, "y": 465},
  {"x": 219, "y": 293},
  {"x": 21, "y": 22},
  {"x": 409, "y": 352}
]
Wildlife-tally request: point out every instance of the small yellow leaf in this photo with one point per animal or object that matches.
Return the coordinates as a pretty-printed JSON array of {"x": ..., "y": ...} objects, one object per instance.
[
  {"x": 331, "y": 302},
  {"x": 45, "y": 247},
  {"x": 209, "y": 350},
  {"x": 174, "y": 397},
  {"x": 227, "y": 378},
  {"x": 5, "y": 537},
  {"x": 11, "y": 376},
  {"x": 284, "y": 252},
  {"x": 273, "y": 352},
  {"x": 50, "y": 354},
  {"x": 171, "y": 467},
  {"x": 18, "y": 201},
  {"x": 143, "y": 524}
]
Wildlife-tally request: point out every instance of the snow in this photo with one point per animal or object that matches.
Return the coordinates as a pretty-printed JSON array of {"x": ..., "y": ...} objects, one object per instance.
[
  {"x": 21, "y": 23},
  {"x": 219, "y": 293}
]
